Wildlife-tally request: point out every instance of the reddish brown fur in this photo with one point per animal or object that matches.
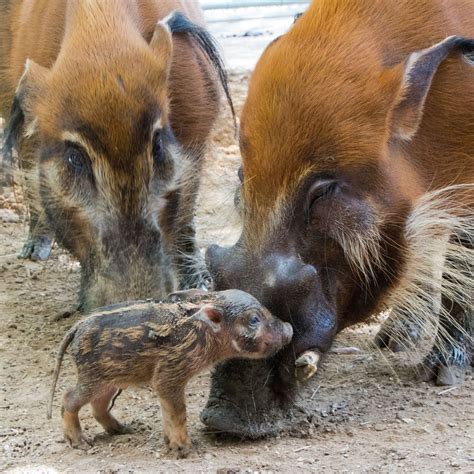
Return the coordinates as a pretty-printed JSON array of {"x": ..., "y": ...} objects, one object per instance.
[
  {"x": 97, "y": 77},
  {"x": 353, "y": 185},
  {"x": 342, "y": 62}
]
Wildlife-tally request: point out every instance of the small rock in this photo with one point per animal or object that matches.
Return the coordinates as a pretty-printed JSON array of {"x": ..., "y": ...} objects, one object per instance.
[{"x": 8, "y": 216}]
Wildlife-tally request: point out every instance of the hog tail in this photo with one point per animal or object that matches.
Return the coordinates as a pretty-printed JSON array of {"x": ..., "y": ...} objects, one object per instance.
[{"x": 59, "y": 359}]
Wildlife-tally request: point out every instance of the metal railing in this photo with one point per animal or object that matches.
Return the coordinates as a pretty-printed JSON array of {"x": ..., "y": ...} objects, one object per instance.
[
  {"x": 252, "y": 3},
  {"x": 243, "y": 4}
]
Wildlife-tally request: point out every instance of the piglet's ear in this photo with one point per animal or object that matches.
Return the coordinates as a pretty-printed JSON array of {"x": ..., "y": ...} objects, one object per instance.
[
  {"x": 419, "y": 70},
  {"x": 210, "y": 315},
  {"x": 185, "y": 294}
]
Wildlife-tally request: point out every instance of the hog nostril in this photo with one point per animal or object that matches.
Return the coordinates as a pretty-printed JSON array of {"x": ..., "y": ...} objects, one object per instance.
[
  {"x": 288, "y": 275},
  {"x": 306, "y": 275}
]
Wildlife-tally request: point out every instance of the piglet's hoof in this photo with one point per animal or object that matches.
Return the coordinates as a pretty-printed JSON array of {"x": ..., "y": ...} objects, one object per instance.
[
  {"x": 81, "y": 442},
  {"x": 119, "y": 429},
  {"x": 179, "y": 450},
  {"x": 306, "y": 365}
]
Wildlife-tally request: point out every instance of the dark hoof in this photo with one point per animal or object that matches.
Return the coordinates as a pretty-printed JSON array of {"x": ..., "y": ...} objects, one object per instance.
[
  {"x": 442, "y": 374},
  {"x": 397, "y": 335},
  {"x": 120, "y": 430},
  {"x": 36, "y": 248}
]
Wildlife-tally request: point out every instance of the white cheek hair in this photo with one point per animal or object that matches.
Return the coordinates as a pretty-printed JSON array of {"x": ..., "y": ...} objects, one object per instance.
[{"x": 236, "y": 346}]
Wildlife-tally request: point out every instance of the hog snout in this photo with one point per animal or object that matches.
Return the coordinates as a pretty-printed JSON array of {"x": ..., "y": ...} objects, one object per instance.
[
  {"x": 290, "y": 289},
  {"x": 271, "y": 279}
]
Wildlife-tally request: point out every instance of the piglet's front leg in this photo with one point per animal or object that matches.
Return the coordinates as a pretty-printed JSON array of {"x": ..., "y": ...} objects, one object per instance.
[{"x": 173, "y": 406}]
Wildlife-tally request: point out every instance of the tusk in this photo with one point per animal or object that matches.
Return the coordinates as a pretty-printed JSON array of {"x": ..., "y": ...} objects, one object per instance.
[
  {"x": 345, "y": 350},
  {"x": 306, "y": 365}
]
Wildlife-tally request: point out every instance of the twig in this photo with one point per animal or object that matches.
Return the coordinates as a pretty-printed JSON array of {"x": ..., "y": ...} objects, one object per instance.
[
  {"x": 447, "y": 390},
  {"x": 301, "y": 449},
  {"x": 315, "y": 391}
]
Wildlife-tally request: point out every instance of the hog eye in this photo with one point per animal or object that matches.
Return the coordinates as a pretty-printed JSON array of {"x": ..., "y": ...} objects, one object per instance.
[
  {"x": 321, "y": 190},
  {"x": 76, "y": 160},
  {"x": 157, "y": 149},
  {"x": 254, "y": 320}
]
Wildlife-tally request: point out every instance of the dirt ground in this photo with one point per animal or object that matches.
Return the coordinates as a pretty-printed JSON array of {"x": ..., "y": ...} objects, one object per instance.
[{"x": 366, "y": 411}]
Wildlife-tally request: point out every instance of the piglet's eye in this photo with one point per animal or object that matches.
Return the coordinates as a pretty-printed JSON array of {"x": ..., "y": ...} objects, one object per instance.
[
  {"x": 254, "y": 320},
  {"x": 157, "y": 148}
]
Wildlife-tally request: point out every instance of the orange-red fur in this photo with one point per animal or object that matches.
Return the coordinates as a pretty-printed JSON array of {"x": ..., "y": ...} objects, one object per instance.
[{"x": 321, "y": 97}]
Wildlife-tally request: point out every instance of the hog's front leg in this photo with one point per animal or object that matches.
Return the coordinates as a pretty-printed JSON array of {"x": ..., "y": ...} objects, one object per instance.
[{"x": 173, "y": 406}]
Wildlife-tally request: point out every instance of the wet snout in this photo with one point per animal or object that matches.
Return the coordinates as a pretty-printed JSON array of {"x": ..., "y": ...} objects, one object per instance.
[{"x": 291, "y": 290}]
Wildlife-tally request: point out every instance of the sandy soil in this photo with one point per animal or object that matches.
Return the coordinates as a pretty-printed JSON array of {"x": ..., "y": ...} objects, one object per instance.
[{"x": 366, "y": 411}]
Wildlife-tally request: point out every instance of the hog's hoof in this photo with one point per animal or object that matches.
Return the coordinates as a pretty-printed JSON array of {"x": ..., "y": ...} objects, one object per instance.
[
  {"x": 79, "y": 441},
  {"x": 306, "y": 365},
  {"x": 397, "y": 334},
  {"x": 446, "y": 367},
  {"x": 36, "y": 248},
  {"x": 440, "y": 374}
]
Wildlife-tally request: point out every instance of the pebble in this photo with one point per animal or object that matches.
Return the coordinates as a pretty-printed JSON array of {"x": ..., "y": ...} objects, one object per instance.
[{"x": 9, "y": 216}]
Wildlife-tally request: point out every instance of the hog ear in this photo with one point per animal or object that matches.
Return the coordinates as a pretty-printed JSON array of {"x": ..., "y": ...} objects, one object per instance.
[
  {"x": 22, "y": 117},
  {"x": 419, "y": 70},
  {"x": 185, "y": 294},
  {"x": 31, "y": 86},
  {"x": 212, "y": 316},
  {"x": 162, "y": 44}
]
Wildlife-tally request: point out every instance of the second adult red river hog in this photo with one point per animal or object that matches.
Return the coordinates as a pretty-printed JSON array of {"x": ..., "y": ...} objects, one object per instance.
[
  {"x": 357, "y": 142},
  {"x": 165, "y": 345},
  {"x": 113, "y": 103}
]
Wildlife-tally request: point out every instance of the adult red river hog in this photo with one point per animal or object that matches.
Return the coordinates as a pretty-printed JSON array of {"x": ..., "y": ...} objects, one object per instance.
[
  {"x": 112, "y": 107},
  {"x": 357, "y": 141}
]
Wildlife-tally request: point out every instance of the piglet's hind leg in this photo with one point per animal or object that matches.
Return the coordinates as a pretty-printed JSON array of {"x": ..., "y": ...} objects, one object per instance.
[
  {"x": 101, "y": 406},
  {"x": 73, "y": 401}
]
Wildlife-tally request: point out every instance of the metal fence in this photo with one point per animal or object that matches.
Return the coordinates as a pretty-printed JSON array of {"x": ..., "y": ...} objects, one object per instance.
[
  {"x": 252, "y": 3},
  {"x": 242, "y": 4}
]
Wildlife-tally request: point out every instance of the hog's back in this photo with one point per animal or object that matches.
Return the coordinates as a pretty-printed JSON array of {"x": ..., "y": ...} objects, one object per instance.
[{"x": 34, "y": 29}]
